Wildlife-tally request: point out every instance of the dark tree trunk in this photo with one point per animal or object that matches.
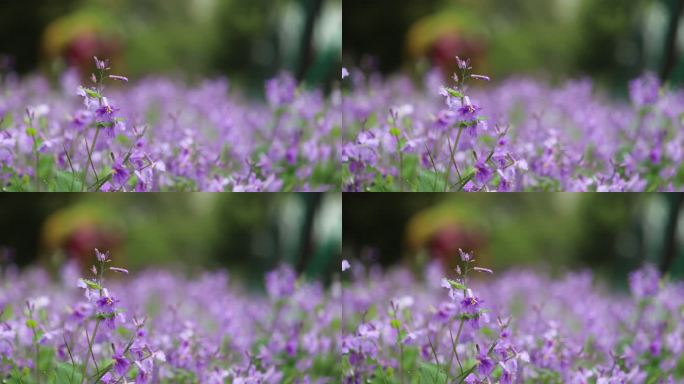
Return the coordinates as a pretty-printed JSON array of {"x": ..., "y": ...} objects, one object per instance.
[
  {"x": 313, "y": 8},
  {"x": 670, "y": 49},
  {"x": 312, "y": 202},
  {"x": 670, "y": 247}
]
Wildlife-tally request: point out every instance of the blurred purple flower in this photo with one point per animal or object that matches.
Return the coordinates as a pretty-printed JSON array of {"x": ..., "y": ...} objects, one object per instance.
[
  {"x": 644, "y": 90},
  {"x": 644, "y": 282},
  {"x": 280, "y": 283},
  {"x": 280, "y": 91}
]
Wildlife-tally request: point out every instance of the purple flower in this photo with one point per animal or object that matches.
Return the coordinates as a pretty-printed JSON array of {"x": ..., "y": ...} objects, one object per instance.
[
  {"x": 470, "y": 304},
  {"x": 468, "y": 112},
  {"x": 644, "y": 282},
  {"x": 120, "y": 174},
  {"x": 121, "y": 364},
  {"x": 106, "y": 303},
  {"x": 345, "y": 265},
  {"x": 482, "y": 173},
  {"x": 280, "y": 91},
  {"x": 480, "y": 77},
  {"x": 100, "y": 64},
  {"x": 119, "y": 270},
  {"x": 106, "y": 111},
  {"x": 120, "y": 78},
  {"x": 102, "y": 256},
  {"x": 506, "y": 375},
  {"x": 144, "y": 372},
  {"x": 280, "y": 283},
  {"x": 644, "y": 90},
  {"x": 485, "y": 365}
]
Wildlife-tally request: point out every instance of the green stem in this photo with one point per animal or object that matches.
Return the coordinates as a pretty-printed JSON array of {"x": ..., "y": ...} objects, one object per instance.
[
  {"x": 451, "y": 155},
  {"x": 90, "y": 349},
  {"x": 37, "y": 165},
  {"x": 35, "y": 365},
  {"x": 401, "y": 171},
  {"x": 90, "y": 157},
  {"x": 454, "y": 343}
]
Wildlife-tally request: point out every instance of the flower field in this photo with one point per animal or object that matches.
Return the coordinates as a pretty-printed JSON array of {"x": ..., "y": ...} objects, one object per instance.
[
  {"x": 158, "y": 134},
  {"x": 519, "y": 135},
  {"x": 160, "y": 327},
  {"x": 476, "y": 326}
]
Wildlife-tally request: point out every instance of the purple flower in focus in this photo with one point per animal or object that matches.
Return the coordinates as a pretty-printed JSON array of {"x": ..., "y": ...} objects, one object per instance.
[
  {"x": 468, "y": 112},
  {"x": 106, "y": 112},
  {"x": 470, "y": 304},
  {"x": 106, "y": 303}
]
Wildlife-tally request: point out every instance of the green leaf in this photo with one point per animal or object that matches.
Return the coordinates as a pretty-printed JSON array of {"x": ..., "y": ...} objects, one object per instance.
[
  {"x": 65, "y": 181},
  {"x": 431, "y": 373},
  {"x": 92, "y": 93},
  {"x": 66, "y": 373},
  {"x": 396, "y": 324},
  {"x": 91, "y": 284},
  {"x": 394, "y": 131},
  {"x": 31, "y": 323},
  {"x": 454, "y": 92},
  {"x": 429, "y": 182},
  {"x": 456, "y": 285}
]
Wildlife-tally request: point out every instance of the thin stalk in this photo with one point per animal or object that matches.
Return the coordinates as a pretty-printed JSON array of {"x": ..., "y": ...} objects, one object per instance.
[
  {"x": 434, "y": 353},
  {"x": 401, "y": 171},
  {"x": 401, "y": 362},
  {"x": 35, "y": 365},
  {"x": 453, "y": 161},
  {"x": 434, "y": 168},
  {"x": 71, "y": 357},
  {"x": 90, "y": 349},
  {"x": 37, "y": 165},
  {"x": 454, "y": 343}
]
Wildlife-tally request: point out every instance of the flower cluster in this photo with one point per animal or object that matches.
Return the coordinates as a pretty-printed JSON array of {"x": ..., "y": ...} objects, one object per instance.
[
  {"x": 159, "y": 327},
  {"x": 159, "y": 134},
  {"x": 520, "y": 135},
  {"x": 517, "y": 327}
]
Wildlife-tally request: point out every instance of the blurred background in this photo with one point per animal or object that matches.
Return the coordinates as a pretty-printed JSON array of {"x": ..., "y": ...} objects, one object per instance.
[
  {"x": 610, "y": 233},
  {"x": 609, "y": 40},
  {"x": 247, "y": 233},
  {"x": 248, "y": 41}
]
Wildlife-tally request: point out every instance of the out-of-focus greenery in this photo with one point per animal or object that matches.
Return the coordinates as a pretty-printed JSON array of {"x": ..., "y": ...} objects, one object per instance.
[
  {"x": 249, "y": 233},
  {"x": 610, "y": 40},
  {"x": 247, "y": 40},
  {"x": 610, "y": 232}
]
